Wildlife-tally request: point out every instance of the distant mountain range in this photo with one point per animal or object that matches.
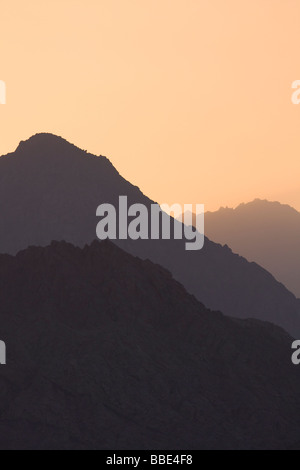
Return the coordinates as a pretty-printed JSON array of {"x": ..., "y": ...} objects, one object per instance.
[
  {"x": 50, "y": 189},
  {"x": 106, "y": 351},
  {"x": 262, "y": 231}
]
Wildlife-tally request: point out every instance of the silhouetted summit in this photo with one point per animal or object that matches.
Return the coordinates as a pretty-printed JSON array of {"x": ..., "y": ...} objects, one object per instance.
[
  {"x": 50, "y": 190},
  {"x": 39, "y": 141},
  {"x": 106, "y": 351},
  {"x": 50, "y": 148}
]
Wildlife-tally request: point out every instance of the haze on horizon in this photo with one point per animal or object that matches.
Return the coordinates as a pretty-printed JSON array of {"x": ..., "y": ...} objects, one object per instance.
[{"x": 191, "y": 101}]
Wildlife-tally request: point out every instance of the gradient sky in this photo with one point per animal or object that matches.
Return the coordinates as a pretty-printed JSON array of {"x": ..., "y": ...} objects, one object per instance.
[{"x": 190, "y": 99}]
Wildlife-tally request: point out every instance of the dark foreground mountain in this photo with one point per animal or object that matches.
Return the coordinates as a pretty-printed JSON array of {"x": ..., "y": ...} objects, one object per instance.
[
  {"x": 262, "y": 231},
  {"x": 50, "y": 190},
  {"x": 105, "y": 351}
]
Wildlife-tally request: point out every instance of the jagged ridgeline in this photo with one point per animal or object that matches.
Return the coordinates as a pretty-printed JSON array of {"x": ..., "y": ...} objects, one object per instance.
[{"x": 50, "y": 190}]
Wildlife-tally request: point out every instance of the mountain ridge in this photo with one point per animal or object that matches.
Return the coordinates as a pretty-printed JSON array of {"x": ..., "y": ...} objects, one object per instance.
[
  {"x": 55, "y": 198},
  {"x": 256, "y": 201}
]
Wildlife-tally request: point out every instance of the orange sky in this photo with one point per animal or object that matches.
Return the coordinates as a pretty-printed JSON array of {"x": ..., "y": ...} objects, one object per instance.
[{"x": 190, "y": 99}]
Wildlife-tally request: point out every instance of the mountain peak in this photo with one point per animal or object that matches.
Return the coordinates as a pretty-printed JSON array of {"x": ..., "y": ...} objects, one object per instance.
[
  {"x": 256, "y": 204},
  {"x": 266, "y": 205},
  {"x": 42, "y": 141},
  {"x": 53, "y": 150}
]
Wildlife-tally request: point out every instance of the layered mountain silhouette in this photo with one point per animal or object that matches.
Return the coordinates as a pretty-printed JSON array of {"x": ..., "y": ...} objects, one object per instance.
[
  {"x": 106, "y": 351},
  {"x": 262, "y": 231},
  {"x": 50, "y": 190}
]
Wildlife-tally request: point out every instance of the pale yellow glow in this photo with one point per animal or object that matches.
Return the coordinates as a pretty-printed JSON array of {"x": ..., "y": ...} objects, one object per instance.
[{"x": 191, "y": 100}]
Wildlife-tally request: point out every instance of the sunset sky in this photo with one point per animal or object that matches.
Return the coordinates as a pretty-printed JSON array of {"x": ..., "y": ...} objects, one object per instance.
[{"x": 190, "y": 99}]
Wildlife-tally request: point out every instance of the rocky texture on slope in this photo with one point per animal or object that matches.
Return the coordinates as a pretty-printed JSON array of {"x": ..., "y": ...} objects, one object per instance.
[{"x": 105, "y": 351}]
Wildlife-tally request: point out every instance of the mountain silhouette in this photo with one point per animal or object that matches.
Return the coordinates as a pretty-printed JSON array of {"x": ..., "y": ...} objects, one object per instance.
[
  {"x": 265, "y": 232},
  {"x": 106, "y": 351},
  {"x": 50, "y": 190}
]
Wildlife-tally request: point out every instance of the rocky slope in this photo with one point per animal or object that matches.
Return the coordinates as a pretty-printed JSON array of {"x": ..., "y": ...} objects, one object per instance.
[{"x": 105, "y": 351}]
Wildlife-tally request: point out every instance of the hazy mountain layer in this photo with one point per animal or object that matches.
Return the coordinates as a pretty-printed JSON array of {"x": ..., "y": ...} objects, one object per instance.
[{"x": 265, "y": 232}]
